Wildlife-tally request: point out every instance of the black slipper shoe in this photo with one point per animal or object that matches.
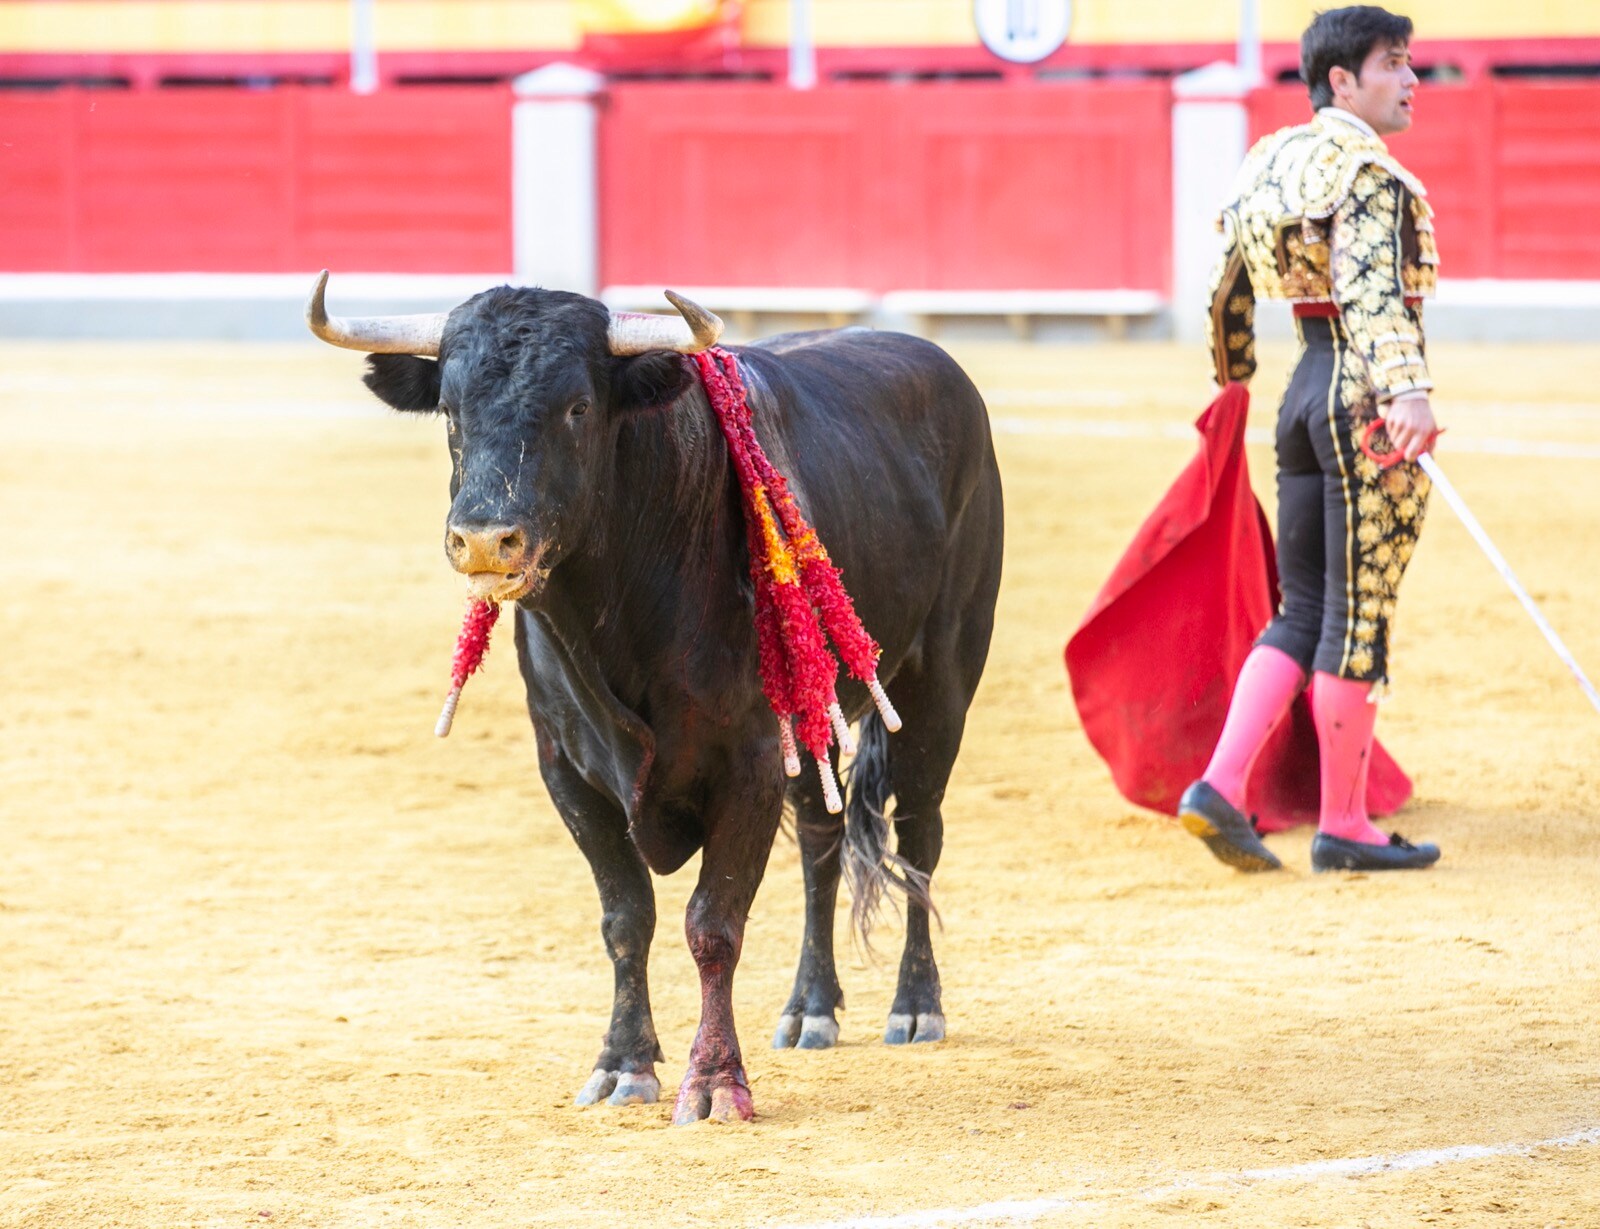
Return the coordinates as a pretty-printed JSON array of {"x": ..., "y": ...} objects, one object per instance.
[
  {"x": 1230, "y": 836},
  {"x": 1334, "y": 853}
]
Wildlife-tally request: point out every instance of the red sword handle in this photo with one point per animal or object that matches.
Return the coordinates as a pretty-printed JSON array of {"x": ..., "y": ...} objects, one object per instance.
[{"x": 1392, "y": 457}]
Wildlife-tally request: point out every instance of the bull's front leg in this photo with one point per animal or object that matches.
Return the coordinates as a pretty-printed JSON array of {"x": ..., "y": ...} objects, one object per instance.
[
  {"x": 738, "y": 842},
  {"x": 625, "y": 1072}
]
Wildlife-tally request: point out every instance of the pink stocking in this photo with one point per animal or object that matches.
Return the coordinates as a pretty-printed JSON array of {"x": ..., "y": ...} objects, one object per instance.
[
  {"x": 1344, "y": 720},
  {"x": 1268, "y": 682}
]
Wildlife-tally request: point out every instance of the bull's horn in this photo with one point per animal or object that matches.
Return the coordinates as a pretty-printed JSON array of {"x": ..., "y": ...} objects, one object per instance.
[
  {"x": 419, "y": 334},
  {"x": 633, "y": 333}
]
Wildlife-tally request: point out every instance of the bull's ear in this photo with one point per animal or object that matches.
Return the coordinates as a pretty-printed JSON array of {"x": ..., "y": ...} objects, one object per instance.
[
  {"x": 645, "y": 381},
  {"x": 403, "y": 381}
]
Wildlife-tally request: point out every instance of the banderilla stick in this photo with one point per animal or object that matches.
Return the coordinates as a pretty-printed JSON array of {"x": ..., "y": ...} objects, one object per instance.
[
  {"x": 1459, "y": 506},
  {"x": 1481, "y": 537}
]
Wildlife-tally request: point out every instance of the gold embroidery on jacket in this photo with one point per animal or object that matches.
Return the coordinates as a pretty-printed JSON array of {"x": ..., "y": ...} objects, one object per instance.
[
  {"x": 1324, "y": 214},
  {"x": 1231, "y": 323}
]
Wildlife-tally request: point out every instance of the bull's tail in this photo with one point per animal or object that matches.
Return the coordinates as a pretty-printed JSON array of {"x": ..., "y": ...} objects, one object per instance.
[{"x": 869, "y": 865}]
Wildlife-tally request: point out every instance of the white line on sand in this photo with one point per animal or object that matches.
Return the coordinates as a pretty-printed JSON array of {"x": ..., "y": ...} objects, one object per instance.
[
  {"x": 1116, "y": 429},
  {"x": 1022, "y": 1211},
  {"x": 1103, "y": 398}
]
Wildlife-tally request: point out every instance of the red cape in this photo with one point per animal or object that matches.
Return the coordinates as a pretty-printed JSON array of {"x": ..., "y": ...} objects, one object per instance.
[{"x": 1154, "y": 661}]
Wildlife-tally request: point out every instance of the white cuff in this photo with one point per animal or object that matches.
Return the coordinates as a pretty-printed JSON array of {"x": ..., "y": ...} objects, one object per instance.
[
  {"x": 1389, "y": 337},
  {"x": 1407, "y": 361},
  {"x": 1400, "y": 390}
]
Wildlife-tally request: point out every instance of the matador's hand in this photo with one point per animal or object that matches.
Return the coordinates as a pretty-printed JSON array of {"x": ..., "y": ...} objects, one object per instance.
[{"x": 1410, "y": 425}]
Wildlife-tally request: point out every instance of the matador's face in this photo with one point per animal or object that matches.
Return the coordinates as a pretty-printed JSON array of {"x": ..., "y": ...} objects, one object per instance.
[{"x": 1381, "y": 93}]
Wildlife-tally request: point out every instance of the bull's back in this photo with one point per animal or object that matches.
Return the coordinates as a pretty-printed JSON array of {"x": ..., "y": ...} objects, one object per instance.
[
  {"x": 883, "y": 395},
  {"x": 886, "y": 441}
]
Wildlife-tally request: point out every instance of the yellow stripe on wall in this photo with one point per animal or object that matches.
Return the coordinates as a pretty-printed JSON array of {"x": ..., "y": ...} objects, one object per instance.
[
  {"x": 1283, "y": 20},
  {"x": 266, "y": 26},
  {"x": 152, "y": 26},
  {"x": 940, "y": 23},
  {"x": 932, "y": 23},
  {"x": 149, "y": 27},
  {"x": 476, "y": 25},
  {"x": 865, "y": 23}
]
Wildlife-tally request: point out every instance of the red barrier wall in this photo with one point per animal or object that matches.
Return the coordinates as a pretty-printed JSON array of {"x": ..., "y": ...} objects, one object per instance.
[
  {"x": 1512, "y": 170},
  {"x": 887, "y": 187},
  {"x": 872, "y": 185},
  {"x": 238, "y": 181}
]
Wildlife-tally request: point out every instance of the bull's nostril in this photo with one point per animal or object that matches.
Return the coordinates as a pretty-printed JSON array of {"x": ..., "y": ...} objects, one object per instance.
[
  {"x": 485, "y": 548},
  {"x": 511, "y": 544}
]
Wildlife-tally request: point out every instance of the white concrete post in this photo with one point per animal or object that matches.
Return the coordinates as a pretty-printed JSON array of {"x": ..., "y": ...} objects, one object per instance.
[
  {"x": 1210, "y": 131},
  {"x": 802, "y": 48},
  {"x": 555, "y": 199},
  {"x": 1248, "y": 57},
  {"x": 363, "y": 48}
]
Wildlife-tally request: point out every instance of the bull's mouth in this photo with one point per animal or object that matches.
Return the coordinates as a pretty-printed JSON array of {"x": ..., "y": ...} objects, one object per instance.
[
  {"x": 518, "y": 573},
  {"x": 505, "y": 586}
]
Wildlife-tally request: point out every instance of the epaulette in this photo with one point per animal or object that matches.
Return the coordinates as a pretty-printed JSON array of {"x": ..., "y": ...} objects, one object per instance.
[
  {"x": 1261, "y": 155},
  {"x": 1324, "y": 165}
]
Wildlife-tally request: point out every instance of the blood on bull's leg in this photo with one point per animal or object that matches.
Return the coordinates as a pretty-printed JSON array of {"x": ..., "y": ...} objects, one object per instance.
[
  {"x": 808, "y": 1020},
  {"x": 624, "y": 1073},
  {"x": 715, "y": 1086},
  {"x": 738, "y": 840}
]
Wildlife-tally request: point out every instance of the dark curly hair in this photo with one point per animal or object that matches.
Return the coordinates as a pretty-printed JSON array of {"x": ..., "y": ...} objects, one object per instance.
[{"x": 1343, "y": 38}]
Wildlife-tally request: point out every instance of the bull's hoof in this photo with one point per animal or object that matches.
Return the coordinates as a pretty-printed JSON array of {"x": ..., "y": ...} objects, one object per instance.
[
  {"x": 620, "y": 1088},
  {"x": 797, "y": 1032},
  {"x": 924, "y": 1026},
  {"x": 721, "y": 1098}
]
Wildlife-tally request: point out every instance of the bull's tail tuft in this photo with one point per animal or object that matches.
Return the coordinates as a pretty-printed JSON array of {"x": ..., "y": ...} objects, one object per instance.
[{"x": 869, "y": 865}]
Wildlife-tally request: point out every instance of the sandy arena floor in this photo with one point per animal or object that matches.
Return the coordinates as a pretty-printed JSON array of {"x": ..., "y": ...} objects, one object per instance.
[{"x": 272, "y": 954}]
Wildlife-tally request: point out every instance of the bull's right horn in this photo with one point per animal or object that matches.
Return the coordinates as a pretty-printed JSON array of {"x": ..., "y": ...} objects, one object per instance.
[
  {"x": 696, "y": 330},
  {"x": 419, "y": 334}
]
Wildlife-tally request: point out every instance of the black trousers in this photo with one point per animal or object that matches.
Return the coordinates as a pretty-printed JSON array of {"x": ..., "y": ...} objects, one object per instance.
[{"x": 1346, "y": 528}]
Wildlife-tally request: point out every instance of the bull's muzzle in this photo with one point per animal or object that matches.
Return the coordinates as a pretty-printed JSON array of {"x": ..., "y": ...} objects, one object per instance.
[{"x": 501, "y": 562}]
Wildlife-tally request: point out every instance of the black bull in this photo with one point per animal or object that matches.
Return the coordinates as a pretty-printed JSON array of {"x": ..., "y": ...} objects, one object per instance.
[{"x": 596, "y": 490}]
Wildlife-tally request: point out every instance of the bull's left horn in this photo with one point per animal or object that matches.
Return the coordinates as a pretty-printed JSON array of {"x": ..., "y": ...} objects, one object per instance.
[
  {"x": 633, "y": 333},
  {"x": 419, "y": 334}
]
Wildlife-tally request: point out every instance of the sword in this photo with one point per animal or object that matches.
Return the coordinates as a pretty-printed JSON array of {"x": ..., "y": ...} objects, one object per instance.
[{"x": 1459, "y": 506}]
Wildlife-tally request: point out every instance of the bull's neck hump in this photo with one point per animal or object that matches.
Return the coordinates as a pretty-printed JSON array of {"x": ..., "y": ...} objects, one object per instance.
[{"x": 657, "y": 592}]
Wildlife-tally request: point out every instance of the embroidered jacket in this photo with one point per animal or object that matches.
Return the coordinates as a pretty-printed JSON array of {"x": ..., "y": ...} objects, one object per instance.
[{"x": 1323, "y": 214}]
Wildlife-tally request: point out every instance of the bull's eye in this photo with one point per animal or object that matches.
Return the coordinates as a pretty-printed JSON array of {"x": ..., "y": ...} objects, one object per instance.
[{"x": 578, "y": 409}]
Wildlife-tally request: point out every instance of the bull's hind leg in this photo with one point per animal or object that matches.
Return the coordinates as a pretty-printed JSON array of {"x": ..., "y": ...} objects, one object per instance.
[
  {"x": 808, "y": 1020},
  {"x": 932, "y": 697},
  {"x": 920, "y": 767},
  {"x": 625, "y": 1072}
]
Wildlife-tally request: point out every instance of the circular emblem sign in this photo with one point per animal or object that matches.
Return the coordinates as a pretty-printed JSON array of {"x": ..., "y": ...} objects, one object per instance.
[{"x": 1023, "y": 31}]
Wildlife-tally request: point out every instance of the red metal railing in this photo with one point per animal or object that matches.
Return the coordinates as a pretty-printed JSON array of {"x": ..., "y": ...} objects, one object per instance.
[
  {"x": 873, "y": 186},
  {"x": 243, "y": 181},
  {"x": 879, "y": 186}
]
